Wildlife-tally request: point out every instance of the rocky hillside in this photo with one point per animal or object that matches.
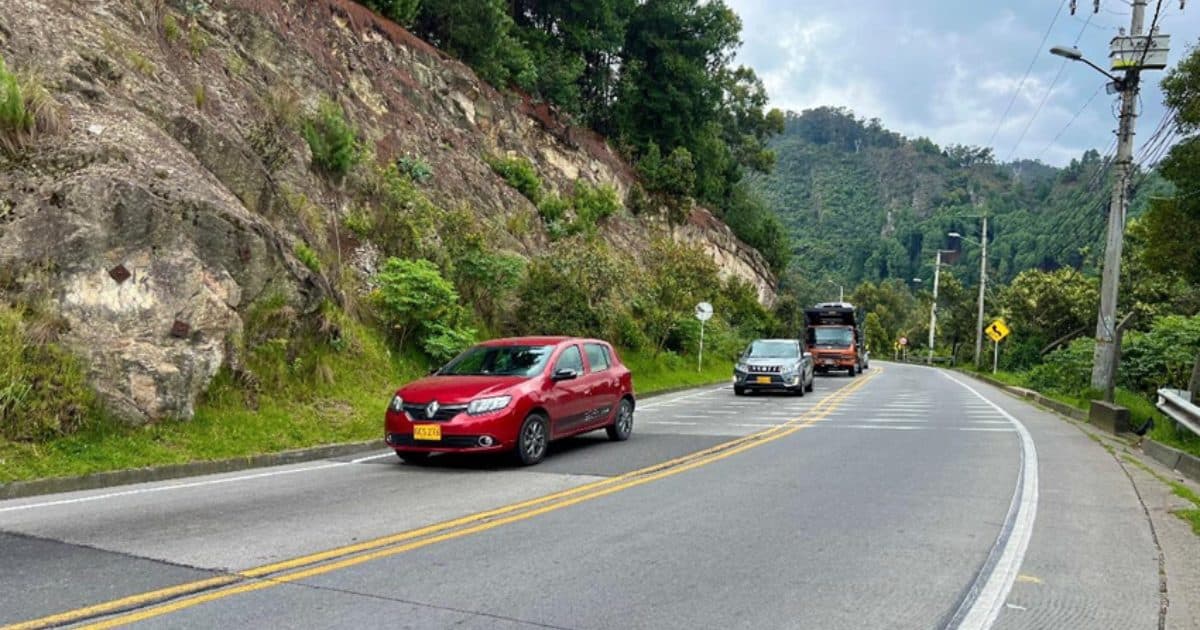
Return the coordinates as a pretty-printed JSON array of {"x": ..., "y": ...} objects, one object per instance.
[{"x": 179, "y": 189}]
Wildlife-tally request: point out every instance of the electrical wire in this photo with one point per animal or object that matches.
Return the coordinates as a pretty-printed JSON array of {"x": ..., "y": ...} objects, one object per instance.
[
  {"x": 1069, "y": 123},
  {"x": 1029, "y": 69},
  {"x": 1062, "y": 67}
]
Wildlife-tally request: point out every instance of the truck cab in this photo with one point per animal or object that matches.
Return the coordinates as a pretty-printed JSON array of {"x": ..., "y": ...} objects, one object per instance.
[{"x": 834, "y": 338}]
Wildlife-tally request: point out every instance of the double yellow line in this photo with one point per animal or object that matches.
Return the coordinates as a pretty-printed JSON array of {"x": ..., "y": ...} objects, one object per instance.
[{"x": 258, "y": 578}]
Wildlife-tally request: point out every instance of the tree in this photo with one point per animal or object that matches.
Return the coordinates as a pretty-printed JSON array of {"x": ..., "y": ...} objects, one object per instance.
[
  {"x": 1174, "y": 225},
  {"x": 480, "y": 32}
]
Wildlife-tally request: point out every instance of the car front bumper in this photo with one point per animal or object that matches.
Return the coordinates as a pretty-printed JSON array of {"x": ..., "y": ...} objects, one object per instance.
[
  {"x": 462, "y": 433},
  {"x": 773, "y": 381}
]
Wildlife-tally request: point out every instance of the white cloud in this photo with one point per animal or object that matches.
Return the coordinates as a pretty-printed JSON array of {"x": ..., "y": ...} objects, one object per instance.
[{"x": 944, "y": 70}]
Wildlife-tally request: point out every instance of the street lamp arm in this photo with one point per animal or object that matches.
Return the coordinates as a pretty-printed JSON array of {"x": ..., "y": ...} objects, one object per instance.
[{"x": 1074, "y": 54}]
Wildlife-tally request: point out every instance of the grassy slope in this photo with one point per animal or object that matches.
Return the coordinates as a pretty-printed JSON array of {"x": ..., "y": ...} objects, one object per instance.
[{"x": 301, "y": 413}]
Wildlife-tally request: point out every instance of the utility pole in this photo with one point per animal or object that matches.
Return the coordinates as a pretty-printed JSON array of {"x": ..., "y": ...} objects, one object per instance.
[
  {"x": 983, "y": 241},
  {"x": 937, "y": 272},
  {"x": 1104, "y": 360}
]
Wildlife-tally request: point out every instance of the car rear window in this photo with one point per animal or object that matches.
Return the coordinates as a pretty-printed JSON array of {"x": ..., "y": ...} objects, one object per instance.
[{"x": 597, "y": 356}]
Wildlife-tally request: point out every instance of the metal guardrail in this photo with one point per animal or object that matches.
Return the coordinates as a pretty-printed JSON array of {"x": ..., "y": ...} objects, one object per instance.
[{"x": 1176, "y": 404}]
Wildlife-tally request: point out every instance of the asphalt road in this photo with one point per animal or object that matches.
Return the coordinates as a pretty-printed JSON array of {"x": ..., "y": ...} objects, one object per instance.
[{"x": 905, "y": 498}]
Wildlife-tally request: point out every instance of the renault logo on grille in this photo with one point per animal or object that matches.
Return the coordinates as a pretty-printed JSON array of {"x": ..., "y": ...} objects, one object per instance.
[{"x": 431, "y": 409}]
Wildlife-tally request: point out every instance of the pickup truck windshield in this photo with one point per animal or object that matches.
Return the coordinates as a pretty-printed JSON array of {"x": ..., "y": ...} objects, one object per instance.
[
  {"x": 832, "y": 337},
  {"x": 773, "y": 350},
  {"x": 499, "y": 361}
]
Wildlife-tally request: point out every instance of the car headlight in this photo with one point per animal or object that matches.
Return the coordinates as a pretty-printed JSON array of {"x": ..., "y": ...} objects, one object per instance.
[
  {"x": 741, "y": 367},
  {"x": 488, "y": 405},
  {"x": 397, "y": 403}
]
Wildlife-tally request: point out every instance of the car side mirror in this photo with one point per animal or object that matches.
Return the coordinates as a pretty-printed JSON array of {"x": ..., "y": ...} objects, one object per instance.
[
  {"x": 565, "y": 374},
  {"x": 807, "y": 355}
]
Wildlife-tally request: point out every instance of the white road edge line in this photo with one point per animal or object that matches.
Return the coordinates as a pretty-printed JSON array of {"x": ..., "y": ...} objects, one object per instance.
[
  {"x": 656, "y": 403},
  {"x": 181, "y": 486},
  {"x": 989, "y": 592}
]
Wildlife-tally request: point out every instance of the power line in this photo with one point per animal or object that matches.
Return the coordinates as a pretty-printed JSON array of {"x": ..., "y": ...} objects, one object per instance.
[
  {"x": 1029, "y": 69},
  {"x": 1070, "y": 122},
  {"x": 1049, "y": 90}
]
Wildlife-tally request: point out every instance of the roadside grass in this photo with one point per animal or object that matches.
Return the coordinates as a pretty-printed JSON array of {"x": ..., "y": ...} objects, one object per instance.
[
  {"x": 1140, "y": 409},
  {"x": 325, "y": 397},
  {"x": 668, "y": 370},
  {"x": 1180, "y": 490}
]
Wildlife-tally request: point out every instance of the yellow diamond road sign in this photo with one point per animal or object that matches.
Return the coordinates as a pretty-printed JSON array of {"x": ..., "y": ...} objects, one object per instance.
[{"x": 997, "y": 331}]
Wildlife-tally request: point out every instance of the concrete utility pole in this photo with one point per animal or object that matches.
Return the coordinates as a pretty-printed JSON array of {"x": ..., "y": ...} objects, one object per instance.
[
  {"x": 983, "y": 240},
  {"x": 933, "y": 307},
  {"x": 1104, "y": 360}
]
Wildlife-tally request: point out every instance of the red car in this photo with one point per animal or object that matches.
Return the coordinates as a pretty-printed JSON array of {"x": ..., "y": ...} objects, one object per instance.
[{"x": 513, "y": 394}]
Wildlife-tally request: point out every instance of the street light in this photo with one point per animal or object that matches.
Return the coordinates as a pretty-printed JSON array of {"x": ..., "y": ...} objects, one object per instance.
[
  {"x": 982, "y": 243},
  {"x": 1074, "y": 54}
]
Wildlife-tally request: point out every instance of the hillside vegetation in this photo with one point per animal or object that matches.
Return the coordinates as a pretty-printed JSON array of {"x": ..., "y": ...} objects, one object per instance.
[{"x": 863, "y": 203}]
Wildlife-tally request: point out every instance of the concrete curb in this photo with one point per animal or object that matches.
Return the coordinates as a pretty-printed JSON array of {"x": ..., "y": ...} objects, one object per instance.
[
  {"x": 19, "y": 489},
  {"x": 33, "y": 487},
  {"x": 1183, "y": 463}
]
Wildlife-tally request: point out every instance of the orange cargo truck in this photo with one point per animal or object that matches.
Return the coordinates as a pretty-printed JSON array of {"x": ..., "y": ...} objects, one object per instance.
[{"x": 835, "y": 339}]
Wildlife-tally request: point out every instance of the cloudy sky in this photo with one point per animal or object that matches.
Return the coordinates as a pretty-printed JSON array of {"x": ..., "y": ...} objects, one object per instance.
[{"x": 948, "y": 69}]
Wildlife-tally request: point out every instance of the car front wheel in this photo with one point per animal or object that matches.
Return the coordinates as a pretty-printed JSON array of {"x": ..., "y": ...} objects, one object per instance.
[
  {"x": 533, "y": 440},
  {"x": 622, "y": 427}
]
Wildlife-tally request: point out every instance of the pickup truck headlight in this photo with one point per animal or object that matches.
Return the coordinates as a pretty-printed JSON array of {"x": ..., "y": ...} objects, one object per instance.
[
  {"x": 397, "y": 403},
  {"x": 741, "y": 367},
  {"x": 488, "y": 405}
]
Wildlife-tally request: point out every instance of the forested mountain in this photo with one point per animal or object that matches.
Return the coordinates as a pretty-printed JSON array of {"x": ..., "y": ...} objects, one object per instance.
[{"x": 864, "y": 203}]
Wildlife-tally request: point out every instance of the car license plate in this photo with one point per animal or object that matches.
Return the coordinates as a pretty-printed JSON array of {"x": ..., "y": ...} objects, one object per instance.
[
  {"x": 765, "y": 380},
  {"x": 830, "y": 362},
  {"x": 427, "y": 432}
]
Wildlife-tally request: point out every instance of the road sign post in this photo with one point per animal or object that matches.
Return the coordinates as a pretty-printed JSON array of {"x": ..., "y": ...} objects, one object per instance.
[
  {"x": 704, "y": 312},
  {"x": 997, "y": 331}
]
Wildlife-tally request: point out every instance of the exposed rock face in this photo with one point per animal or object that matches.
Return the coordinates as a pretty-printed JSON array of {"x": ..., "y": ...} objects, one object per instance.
[{"x": 163, "y": 209}]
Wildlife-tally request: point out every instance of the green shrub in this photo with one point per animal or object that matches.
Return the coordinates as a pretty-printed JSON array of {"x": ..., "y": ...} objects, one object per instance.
[
  {"x": 553, "y": 209},
  {"x": 43, "y": 388},
  {"x": 1162, "y": 356},
  {"x": 200, "y": 96},
  {"x": 170, "y": 27},
  {"x": 579, "y": 287},
  {"x": 1065, "y": 371},
  {"x": 360, "y": 223},
  {"x": 416, "y": 302},
  {"x": 26, "y": 110},
  {"x": 333, "y": 141},
  {"x": 594, "y": 203},
  {"x": 308, "y": 257},
  {"x": 197, "y": 42},
  {"x": 520, "y": 174},
  {"x": 415, "y": 168}
]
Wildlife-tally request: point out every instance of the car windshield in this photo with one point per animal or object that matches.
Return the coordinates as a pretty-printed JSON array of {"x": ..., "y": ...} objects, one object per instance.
[
  {"x": 773, "y": 350},
  {"x": 833, "y": 337},
  {"x": 499, "y": 361}
]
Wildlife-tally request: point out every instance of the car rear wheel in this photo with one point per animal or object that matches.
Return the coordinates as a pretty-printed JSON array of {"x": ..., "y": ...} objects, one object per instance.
[
  {"x": 533, "y": 440},
  {"x": 622, "y": 427},
  {"x": 413, "y": 458}
]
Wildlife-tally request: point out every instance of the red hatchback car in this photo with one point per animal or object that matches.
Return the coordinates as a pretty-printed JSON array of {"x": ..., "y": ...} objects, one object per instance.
[{"x": 513, "y": 394}]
